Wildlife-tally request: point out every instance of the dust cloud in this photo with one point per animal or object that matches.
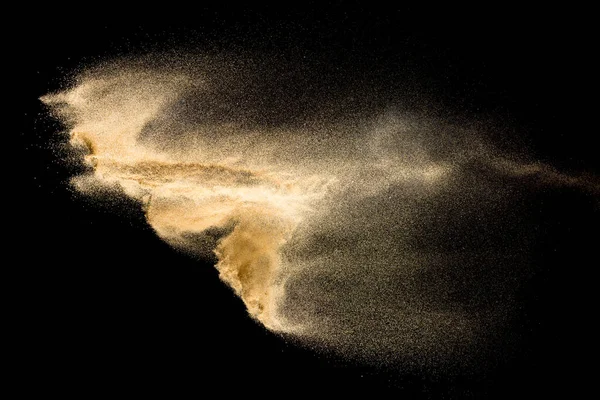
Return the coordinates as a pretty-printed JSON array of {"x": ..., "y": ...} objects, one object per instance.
[{"x": 379, "y": 233}]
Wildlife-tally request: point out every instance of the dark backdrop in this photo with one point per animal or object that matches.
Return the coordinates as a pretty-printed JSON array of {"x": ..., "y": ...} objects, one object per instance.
[{"x": 102, "y": 304}]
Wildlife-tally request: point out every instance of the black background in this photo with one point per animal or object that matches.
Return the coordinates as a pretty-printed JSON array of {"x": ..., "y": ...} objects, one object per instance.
[{"x": 103, "y": 305}]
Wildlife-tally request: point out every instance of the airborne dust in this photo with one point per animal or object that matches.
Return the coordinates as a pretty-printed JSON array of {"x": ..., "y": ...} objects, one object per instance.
[{"x": 380, "y": 233}]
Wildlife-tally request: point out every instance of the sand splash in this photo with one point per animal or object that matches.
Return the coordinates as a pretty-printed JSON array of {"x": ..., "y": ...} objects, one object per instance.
[{"x": 381, "y": 235}]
